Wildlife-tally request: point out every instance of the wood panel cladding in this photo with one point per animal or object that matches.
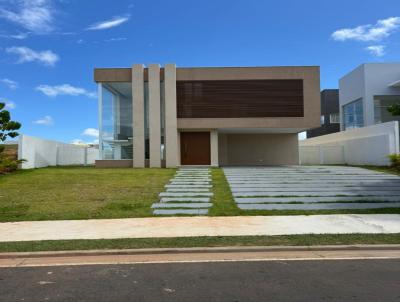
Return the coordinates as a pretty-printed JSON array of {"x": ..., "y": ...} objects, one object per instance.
[{"x": 240, "y": 98}]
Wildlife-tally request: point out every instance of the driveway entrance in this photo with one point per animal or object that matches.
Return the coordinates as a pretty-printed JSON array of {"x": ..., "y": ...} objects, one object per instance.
[{"x": 312, "y": 188}]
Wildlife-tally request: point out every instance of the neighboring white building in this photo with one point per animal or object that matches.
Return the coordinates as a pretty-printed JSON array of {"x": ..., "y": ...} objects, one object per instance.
[{"x": 366, "y": 92}]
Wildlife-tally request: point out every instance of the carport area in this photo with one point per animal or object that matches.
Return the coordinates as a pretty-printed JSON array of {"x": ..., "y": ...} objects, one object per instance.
[{"x": 312, "y": 188}]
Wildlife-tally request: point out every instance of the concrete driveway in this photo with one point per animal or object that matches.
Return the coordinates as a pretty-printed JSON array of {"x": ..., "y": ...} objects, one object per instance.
[{"x": 312, "y": 188}]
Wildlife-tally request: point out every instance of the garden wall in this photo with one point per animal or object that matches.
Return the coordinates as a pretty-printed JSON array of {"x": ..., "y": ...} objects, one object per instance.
[
  {"x": 40, "y": 153},
  {"x": 363, "y": 146}
]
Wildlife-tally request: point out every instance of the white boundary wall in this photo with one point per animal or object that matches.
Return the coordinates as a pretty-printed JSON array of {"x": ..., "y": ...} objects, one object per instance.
[
  {"x": 40, "y": 153},
  {"x": 363, "y": 146}
]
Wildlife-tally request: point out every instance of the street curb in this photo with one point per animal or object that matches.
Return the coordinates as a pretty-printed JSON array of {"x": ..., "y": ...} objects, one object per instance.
[{"x": 229, "y": 249}]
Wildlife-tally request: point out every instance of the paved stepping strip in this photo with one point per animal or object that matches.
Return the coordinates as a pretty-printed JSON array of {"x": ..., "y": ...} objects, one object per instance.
[
  {"x": 312, "y": 188},
  {"x": 188, "y": 193}
]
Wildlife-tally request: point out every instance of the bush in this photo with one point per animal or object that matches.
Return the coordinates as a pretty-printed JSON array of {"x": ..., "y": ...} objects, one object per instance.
[
  {"x": 8, "y": 164},
  {"x": 395, "y": 160}
]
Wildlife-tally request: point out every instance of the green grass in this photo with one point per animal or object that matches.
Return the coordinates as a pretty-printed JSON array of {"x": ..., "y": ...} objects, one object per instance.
[
  {"x": 88, "y": 193},
  {"x": 390, "y": 170},
  {"x": 223, "y": 203},
  {"x": 294, "y": 240},
  {"x": 80, "y": 193}
]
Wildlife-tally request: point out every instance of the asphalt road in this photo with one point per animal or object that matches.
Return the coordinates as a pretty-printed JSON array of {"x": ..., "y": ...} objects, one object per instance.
[{"x": 323, "y": 280}]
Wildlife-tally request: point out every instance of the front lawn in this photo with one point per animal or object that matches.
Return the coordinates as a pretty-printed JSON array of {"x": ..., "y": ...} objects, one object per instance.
[{"x": 80, "y": 193}]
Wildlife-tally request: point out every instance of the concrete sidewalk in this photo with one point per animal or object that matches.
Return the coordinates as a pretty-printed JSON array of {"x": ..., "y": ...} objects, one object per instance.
[{"x": 198, "y": 226}]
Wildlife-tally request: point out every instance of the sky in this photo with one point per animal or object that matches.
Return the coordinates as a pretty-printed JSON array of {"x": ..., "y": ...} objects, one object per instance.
[{"x": 49, "y": 48}]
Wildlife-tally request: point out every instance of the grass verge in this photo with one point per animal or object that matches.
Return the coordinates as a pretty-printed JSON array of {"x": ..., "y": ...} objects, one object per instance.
[{"x": 292, "y": 240}]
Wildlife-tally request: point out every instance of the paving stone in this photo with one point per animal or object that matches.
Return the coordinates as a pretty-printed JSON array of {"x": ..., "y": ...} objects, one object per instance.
[
  {"x": 189, "y": 182},
  {"x": 187, "y": 190},
  {"x": 309, "y": 176},
  {"x": 314, "y": 199},
  {"x": 311, "y": 193},
  {"x": 183, "y": 194},
  {"x": 317, "y": 183},
  {"x": 185, "y": 199},
  {"x": 188, "y": 186},
  {"x": 318, "y": 206},
  {"x": 181, "y": 205},
  {"x": 180, "y": 211},
  {"x": 238, "y": 188}
]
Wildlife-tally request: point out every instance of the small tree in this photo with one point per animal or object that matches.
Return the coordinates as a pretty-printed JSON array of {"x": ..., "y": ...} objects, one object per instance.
[
  {"x": 7, "y": 129},
  {"x": 394, "y": 109},
  {"x": 7, "y": 126}
]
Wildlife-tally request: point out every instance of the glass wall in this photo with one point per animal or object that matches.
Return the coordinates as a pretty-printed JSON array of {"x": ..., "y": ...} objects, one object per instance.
[
  {"x": 353, "y": 115},
  {"x": 381, "y": 104},
  {"x": 116, "y": 121}
]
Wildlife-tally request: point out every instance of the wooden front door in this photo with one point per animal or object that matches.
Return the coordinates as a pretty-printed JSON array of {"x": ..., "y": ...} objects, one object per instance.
[{"x": 195, "y": 148}]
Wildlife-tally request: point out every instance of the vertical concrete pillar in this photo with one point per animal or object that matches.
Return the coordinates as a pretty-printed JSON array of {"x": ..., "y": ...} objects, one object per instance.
[
  {"x": 154, "y": 116},
  {"x": 171, "y": 131},
  {"x": 138, "y": 115},
  {"x": 214, "y": 148}
]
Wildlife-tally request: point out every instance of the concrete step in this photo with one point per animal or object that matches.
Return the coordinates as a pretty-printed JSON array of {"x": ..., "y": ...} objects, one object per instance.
[
  {"x": 182, "y": 205},
  {"x": 180, "y": 212},
  {"x": 185, "y": 199},
  {"x": 314, "y": 199},
  {"x": 183, "y": 194},
  {"x": 311, "y": 193},
  {"x": 318, "y": 206},
  {"x": 187, "y": 190}
]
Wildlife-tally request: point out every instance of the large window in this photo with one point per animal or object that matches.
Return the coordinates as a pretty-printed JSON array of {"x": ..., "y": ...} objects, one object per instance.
[
  {"x": 381, "y": 104},
  {"x": 353, "y": 115},
  {"x": 116, "y": 121}
]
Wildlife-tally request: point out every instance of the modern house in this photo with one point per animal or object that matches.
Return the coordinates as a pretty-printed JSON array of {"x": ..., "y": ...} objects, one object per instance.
[
  {"x": 366, "y": 92},
  {"x": 217, "y": 116},
  {"x": 330, "y": 118}
]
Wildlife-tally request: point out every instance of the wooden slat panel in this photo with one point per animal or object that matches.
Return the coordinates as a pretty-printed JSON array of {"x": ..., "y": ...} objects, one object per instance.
[{"x": 240, "y": 98}]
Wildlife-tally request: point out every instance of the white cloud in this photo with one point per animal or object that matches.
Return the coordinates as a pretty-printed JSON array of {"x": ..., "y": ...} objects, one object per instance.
[
  {"x": 91, "y": 132},
  {"x": 46, "y": 121},
  {"x": 113, "y": 22},
  {"x": 116, "y": 39},
  {"x": 10, "y": 105},
  {"x": 35, "y": 15},
  {"x": 79, "y": 141},
  {"x": 10, "y": 83},
  {"x": 376, "y": 50},
  {"x": 46, "y": 57},
  {"x": 382, "y": 29},
  {"x": 65, "y": 89},
  {"x": 20, "y": 36}
]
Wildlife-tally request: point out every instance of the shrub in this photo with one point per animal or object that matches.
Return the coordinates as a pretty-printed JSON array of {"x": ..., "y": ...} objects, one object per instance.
[
  {"x": 8, "y": 164},
  {"x": 395, "y": 160}
]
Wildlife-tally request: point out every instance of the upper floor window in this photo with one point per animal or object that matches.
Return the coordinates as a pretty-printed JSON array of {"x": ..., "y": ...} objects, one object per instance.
[
  {"x": 334, "y": 118},
  {"x": 353, "y": 115}
]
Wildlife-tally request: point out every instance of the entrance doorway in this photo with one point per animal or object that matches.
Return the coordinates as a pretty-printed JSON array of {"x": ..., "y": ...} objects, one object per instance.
[{"x": 195, "y": 148}]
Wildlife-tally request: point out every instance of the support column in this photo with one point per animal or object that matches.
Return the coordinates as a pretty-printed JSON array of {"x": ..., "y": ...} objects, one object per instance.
[
  {"x": 214, "y": 148},
  {"x": 154, "y": 116},
  {"x": 171, "y": 130},
  {"x": 138, "y": 115}
]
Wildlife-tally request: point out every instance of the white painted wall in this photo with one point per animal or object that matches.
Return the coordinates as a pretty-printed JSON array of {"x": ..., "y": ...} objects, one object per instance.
[
  {"x": 40, "y": 153},
  {"x": 363, "y": 146},
  {"x": 367, "y": 81}
]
